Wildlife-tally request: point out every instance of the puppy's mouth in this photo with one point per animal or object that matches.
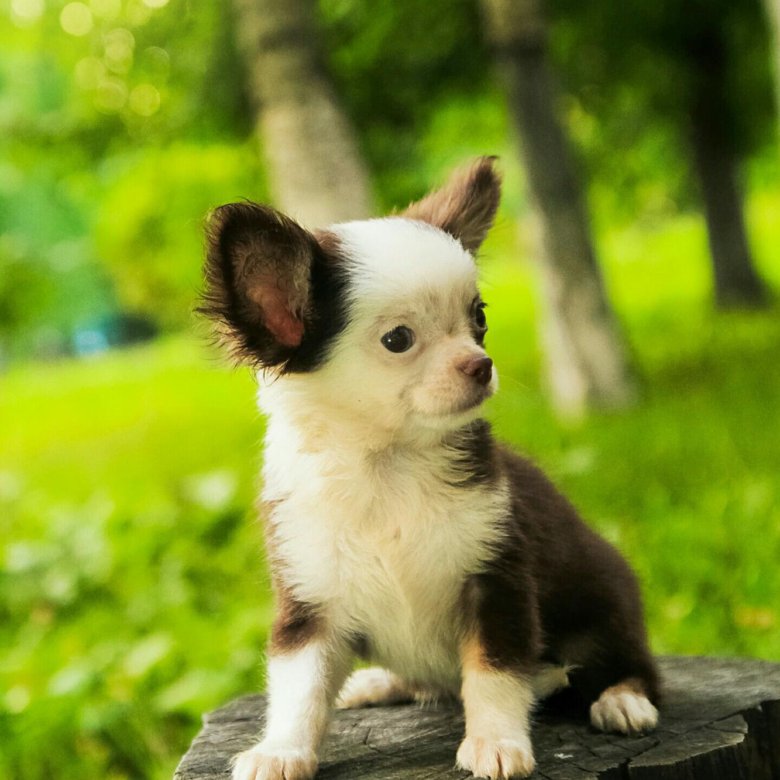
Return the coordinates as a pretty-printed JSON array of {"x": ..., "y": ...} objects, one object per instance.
[
  {"x": 477, "y": 399},
  {"x": 445, "y": 407},
  {"x": 468, "y": 404}
]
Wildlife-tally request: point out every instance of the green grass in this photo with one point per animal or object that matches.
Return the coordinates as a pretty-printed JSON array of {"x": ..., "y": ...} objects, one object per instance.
[{"x": 133, "y": 594}]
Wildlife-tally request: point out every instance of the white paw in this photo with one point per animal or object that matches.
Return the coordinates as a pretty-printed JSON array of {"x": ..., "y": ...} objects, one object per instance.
[
  {"x": 367, "y": 687},
  {"x": 497, "y": 759},
  {"x": 621, "y": 709},
  {"x": 274, "y": 763}
]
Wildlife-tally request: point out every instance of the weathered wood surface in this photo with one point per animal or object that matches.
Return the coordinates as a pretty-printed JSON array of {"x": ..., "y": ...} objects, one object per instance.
[{"x": 720, "y": 721}]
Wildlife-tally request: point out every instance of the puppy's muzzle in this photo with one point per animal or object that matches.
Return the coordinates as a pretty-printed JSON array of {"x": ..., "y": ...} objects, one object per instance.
[{"x": 479, "y": 368}]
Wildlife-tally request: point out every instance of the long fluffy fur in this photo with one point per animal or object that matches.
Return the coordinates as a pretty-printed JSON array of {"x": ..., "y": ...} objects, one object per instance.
[{"x": 398, "y": 529}]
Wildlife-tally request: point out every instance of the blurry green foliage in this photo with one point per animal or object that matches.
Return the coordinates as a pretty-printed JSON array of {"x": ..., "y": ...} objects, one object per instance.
[
  {"x": 128, "y": 593},
  {"x": 48, "y": 275},
  {"x": 149, "y": 223},
  {"x": 627, "y": 76},
  {"x": 102, "y": 101},
  {"x": 125, "y": 122}
]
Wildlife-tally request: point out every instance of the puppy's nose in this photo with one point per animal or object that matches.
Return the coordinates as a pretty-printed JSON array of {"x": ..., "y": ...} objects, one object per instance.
[{"x": 481, "y": 368}]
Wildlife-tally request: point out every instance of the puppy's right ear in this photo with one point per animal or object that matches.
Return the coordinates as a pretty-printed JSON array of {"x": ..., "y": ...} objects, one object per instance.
[
  {"x": 465, "y": 206},
  {"x": 258, "y": 281}
]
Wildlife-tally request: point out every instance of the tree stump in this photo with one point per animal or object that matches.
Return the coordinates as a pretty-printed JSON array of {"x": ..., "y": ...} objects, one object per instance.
[{"x": 720, "y": 720}]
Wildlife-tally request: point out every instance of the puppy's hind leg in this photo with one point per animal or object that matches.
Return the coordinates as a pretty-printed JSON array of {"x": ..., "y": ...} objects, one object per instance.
[
  {"x": 614, "y": 669},
  {"x": 621, "y": 687},
  {"x": 625, "y": 708}
]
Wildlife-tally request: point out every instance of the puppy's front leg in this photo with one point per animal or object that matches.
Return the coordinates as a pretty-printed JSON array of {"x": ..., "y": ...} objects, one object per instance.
[
  {"x": 497, "y": 704},
  {"x": 498, "y": 654},
  {"x": 304, "y": 674}
]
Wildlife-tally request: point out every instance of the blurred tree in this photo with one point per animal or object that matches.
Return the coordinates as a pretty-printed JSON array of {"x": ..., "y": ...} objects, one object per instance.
[
  {"x": 772, "y": 8},
  {"x": 586, "y": 360},
  {"x": 417, "y": 75},
  {"x": 694, "y": 74},
  {"x": 716, "y": 160},
  {"x": 315, "y": 168}
]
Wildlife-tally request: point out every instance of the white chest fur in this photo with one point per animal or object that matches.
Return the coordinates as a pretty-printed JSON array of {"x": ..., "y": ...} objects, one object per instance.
[{"x": 382, "y": 543}]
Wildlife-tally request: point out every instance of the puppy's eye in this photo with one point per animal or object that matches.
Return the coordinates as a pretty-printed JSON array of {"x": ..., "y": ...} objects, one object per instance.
[
  {"x": 480, "y": 320},
  {"x": 398, "y": 339}
]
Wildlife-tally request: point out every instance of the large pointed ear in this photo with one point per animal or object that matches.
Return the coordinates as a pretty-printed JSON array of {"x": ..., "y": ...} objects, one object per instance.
[
  {"x": 258, "y": 281},
  {"x": 465, "y": 206}
]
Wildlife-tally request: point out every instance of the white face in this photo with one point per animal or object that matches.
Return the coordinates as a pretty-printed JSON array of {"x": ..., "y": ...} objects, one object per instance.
[{"x": 410, "y": 356}]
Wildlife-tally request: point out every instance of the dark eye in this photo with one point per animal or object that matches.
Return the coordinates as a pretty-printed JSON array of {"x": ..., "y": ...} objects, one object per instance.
[
  {"x": 480, "y": 320},
  {"x": 398, "y": 339}
]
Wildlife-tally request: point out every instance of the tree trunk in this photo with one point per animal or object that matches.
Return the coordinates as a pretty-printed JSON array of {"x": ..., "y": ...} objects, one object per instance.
[
  {"x": 720, "y": 720},
  {"x": 585, "y": 357},
  {"x": 314, "y": 164},
  {"x": 716, "y": 162},
  {"x": 773, "y": 16}
]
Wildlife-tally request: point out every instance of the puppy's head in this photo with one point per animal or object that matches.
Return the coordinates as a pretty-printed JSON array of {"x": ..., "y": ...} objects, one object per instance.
[{"x": 380, "y": 320}]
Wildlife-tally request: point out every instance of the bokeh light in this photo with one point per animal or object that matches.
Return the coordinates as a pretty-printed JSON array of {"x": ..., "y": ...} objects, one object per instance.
[
  {"x": 89, "y": 72},
  {"x": 106, "y": 9},
  {"x": 26, "y": 12},
  {"x": 118, "y": 47},
  {"x": 110, "y": 95},
  {"x": 144, "y": 99},
  {"x": 76, "y": 19}
]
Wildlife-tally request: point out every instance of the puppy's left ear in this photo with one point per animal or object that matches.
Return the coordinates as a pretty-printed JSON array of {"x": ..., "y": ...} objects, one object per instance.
[
  {"x": 465, "y": 206},
  {"x": 259, "y": 267}
]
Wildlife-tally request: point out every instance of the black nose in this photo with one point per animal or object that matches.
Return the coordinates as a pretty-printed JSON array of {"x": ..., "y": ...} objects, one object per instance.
[{"x": 481, "y": 368}]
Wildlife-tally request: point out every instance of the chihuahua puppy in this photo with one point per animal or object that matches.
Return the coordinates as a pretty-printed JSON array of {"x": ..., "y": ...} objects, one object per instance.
[{"x": 398, "y": 530}]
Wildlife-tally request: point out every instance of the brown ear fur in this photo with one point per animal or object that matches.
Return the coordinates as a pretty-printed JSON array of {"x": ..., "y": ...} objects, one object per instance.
[
  {"x": 258, "y": 277},
  {"x": 465, "y": 206}
]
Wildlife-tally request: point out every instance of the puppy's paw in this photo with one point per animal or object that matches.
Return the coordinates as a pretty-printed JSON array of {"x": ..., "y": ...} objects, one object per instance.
[
  {"x": 622, "y": 709},
  {"x": 497, "y": 759},
  {"x": 372, "y": 687},
  {"x": 269, "y": 762}
]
